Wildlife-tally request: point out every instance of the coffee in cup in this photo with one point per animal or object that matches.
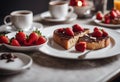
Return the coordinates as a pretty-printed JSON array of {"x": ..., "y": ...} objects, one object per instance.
[
  {"x": 60, "y": 9},
  {"x": 20, "y": 20}
]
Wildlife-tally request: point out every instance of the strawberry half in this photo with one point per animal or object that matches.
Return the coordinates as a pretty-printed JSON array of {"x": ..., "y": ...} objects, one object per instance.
[
  {"x": 97, "y": 33},
  {"x": 104, "y": 33},
  {"x": 77, "y": 28},
  {"x": 69, "y": 32},
  {"x": 113, "y": 14},
  {"x": 81, "y": 46}
]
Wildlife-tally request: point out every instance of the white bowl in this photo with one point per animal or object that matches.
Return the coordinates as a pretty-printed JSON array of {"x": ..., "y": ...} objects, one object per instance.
[{"x": 82, "y": 10}]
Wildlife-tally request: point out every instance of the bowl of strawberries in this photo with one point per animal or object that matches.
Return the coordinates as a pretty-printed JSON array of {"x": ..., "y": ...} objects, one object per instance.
[
  {"x": 81, "y": 7},
  {"x": 24, "y": 41}
]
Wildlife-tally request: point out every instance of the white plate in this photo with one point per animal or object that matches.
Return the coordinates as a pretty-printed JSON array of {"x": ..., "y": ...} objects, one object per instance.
[
  {"x": 20, "y": 64},
  {"x": 105, "y": 25},
  {"x": 47, "y": 17},
  {"x": 5, "y": 28},
  {"x": 22, "y": 48},
  {"x": 53, "y": 49}
]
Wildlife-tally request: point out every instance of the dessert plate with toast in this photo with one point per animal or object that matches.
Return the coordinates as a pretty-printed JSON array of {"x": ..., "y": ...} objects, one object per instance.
[
  {"x": 110, "y": 19},
  {"x": 65, "y": 41},
  {"x": 105, "y": 25}
]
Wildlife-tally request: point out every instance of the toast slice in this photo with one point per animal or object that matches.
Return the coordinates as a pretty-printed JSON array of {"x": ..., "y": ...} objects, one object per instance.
[
  {"x": 94, "y": 43},
  {"x": 66, "y": 41}
]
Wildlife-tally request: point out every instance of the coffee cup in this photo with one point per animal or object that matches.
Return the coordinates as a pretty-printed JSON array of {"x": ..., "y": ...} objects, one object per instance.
[
  {"x": 60, "y": 9},
  {"x": 20, "y": 20}
]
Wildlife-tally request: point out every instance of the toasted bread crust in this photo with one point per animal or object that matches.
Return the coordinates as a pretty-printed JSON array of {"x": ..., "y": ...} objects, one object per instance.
[{"x": 69, "y": 42}]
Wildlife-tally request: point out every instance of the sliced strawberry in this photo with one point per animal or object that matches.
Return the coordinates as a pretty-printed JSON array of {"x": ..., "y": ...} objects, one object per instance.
[
  {"x": 99, "y": 16},
  {"x": 113, "y": 14},
  {"x": 21, "y": 36},
  {"x": 77, "y": 28},
  {"x": 14, "y": 42},
  {"x": 104, "y": 33},
  {"x": 69, "y": 32},
  {"x": 4, "y": 39},
  {"x": 97, "y": 33},
  {"x": 81, "y": 46},
  {"x": 41, "y": 40},
  {"x": 117, "y": 12}
]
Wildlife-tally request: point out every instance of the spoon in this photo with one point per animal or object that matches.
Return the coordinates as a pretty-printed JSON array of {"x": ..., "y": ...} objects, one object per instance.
[{"x": 84, "y": 55}]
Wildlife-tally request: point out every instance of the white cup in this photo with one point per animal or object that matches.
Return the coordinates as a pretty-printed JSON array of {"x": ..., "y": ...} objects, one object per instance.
[
  {"x": 60, "y": 9},
  {"x": 20, "y": 20}
]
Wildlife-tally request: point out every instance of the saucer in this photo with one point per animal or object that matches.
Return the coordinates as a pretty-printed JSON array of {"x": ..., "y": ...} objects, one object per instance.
[
  {"x": 6, "y": 28},
  {"x": 21, "y": 63},
  {"x": 47, "y": 17}
]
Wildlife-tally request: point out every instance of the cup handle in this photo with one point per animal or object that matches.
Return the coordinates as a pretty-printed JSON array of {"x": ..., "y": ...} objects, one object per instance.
[
  {"x": 5, "y": 20},
  {"x": 70, "y": 10}
]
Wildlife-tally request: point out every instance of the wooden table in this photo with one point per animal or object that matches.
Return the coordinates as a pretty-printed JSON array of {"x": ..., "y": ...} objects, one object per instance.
[{"x": 49, "y": 69}]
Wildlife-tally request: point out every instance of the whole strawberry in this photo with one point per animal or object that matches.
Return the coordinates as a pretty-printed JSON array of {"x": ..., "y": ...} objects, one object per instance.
[
  {"x": 4, "y": 39},
  {"x": 33, "y": 37},
  {"x": 41, "y": 40},
  {"x": 14, "y": 42},
  {"x": 99, "y": 16},
  {"x": 20, "y": 36}
]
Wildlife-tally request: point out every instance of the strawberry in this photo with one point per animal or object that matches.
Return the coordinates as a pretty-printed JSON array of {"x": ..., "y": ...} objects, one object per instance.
[
  {"x": 107, "y": 16},
  {"x": 99, "y": 16},
  {"x": 20, "y": 36},
  {"x": 117, "y": 12},
  {"x": 97, "y": 33},
  {"x": 77, "y": 28},
  {"x": 72, "y": 3},
  {"x": 81, "y": 46},
  {"x": 26, "y": 43},
  {"x": 104, "y": 33},
  {"x": 69, "y": 32},
  {"x": 33, "y": 37},
  {"x": 60, "y": 30},
  {"x": 84, "y": 3},
  {"x": 4, "y": 39},
  {"x": 41, "y": 40},
  {"x": 14, "y": 42},
  {"x": 107, "y": 21},
  {"x": 96, "y": 28},
  {"x": 113, "y": 14}
]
